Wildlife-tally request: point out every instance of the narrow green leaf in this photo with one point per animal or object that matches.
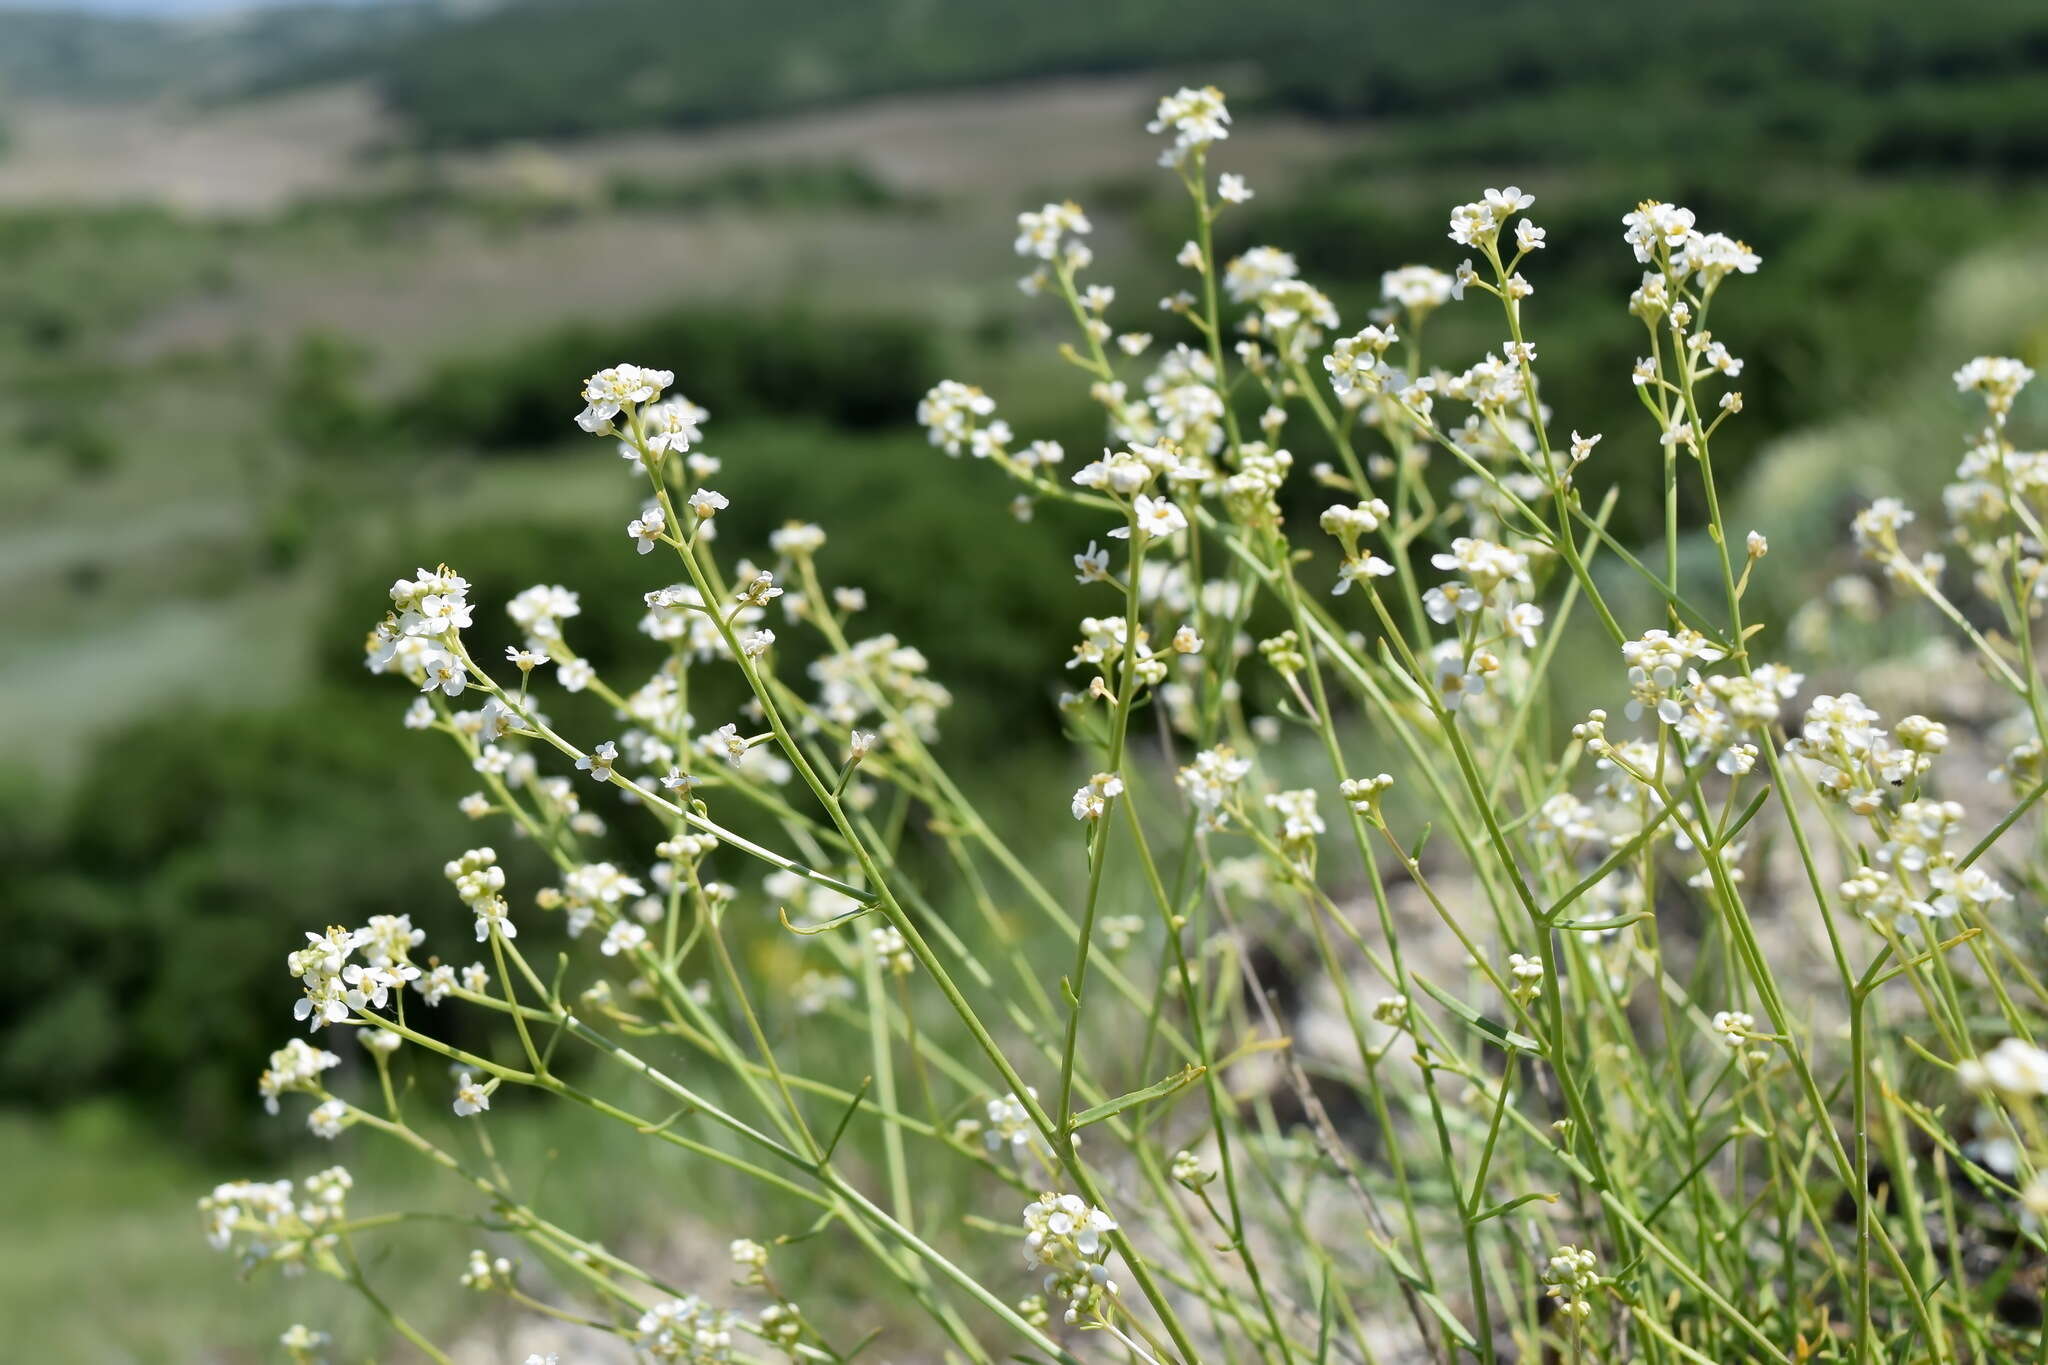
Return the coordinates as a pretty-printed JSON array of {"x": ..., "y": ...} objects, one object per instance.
[
  {"x": 1179, "y": 1080},
  {"x": 812, "y": 930},
  {"x": 1511, "y": 1205},
  {"x": 1498, "y": 1032},
  {"x": 847, "y": 1117}
]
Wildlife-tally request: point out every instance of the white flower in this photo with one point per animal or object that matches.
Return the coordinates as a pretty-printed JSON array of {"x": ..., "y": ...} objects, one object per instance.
[
  {"x": 1999, "y": 378},
  {"x": 470, "y": 1098},
  {"x": 1211, "y": 780},
  {"x": 2012, "y": 1068},
  {"x": 444, "y": 671},
  {"x": 1068, "y": 1237},
  {"x": 436, "y": 985},
  {"x": 1522, "y": 620},
  {"x": 623, "y": 937},
  {"x": 327, "y": 1119},
  {"x": 1155, "y": 518},
  {"x": 888, "y": 945},
  {"x": 608, "y": 391},
  {"x": 1253, "y": 274},
  {"x": 1363, "y": 794},
  {"x": 756, "y": 643},
  {"x": 302, "y": 1340},
  {"x": 1041, "y": 234},
  {"x": 1091, "y": 566},
  {"x": 648, "y": 528},
  {"x": 1197, "y": 118},
  {"x": 949, "y": 413},
  {"x": 1009, "y": 1123},
  {"x": 1655, "y": 224},
  {"x": 707, "y": 504},
  {"x": 1232, "y": 188},
  {"x": 295, "y": 1066},
  {"x": 1876, "y": 528},
  {"x": 727, "y": 738},
  {"x": 540, "y": 611},
  {"x": 598, "y": 762},
  {"x": 1299, "y": 822},
  {"x": 494, "y": 914},
  {"x": 1418, "y": 288},
  {"x": 672, "y": 425},
  {"x": 575, "y": 674},
  {"x": 1091, "y": 801},
  {"x": 1357, "y": 568},
  {"x": 816, "y": 991}
]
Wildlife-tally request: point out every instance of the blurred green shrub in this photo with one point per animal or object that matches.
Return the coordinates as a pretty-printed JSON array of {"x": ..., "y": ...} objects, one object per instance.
[
  {"x": 856, "y": 372},
  {"x": 145, "y": 913},
  {"x": 780, "y": 186}
]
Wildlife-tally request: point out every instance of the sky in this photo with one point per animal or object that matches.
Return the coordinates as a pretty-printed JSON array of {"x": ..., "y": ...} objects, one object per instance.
[{"x": 168, "y": 9}]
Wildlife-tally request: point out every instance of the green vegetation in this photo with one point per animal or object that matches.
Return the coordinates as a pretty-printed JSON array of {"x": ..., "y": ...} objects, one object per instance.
[
  {"x": 213, "y": 460},
  {"x": 1888, "y": 83},
  {"x": 54, "y": 52}
]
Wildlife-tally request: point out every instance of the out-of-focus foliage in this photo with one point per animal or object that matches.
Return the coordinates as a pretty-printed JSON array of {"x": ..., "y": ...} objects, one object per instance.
[
  {"x": 859, "y": 372},
  {"x": 51, "y": 51},
  {"x": 1848, "y": 264},
  {"x": 1879, "y": 80},
  {"x": 1861, "y": 147}
]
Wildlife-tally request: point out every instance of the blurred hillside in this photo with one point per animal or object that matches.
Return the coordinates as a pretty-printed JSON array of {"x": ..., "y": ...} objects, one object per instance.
[{"x": 291, "y": 300}]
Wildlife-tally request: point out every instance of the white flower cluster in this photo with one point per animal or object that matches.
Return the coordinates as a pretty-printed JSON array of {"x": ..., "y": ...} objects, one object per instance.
[
  {"x": 593, "y": 892},
  {"x": 1212, "y": 780},
  {"x": 952, "y": 414},
  {"x": 1916, "y": 874},
  {"x": 1999, "y": 378},
  {"x": 417, "y": 640},
  {"x": 1419, "y": 290},
  {"x": 1009, "y": 1127},
  {"x": 1663, "y": 234},
  {"x": 1350, "y": 524},
  {"x": 486, "y": 1273},
  {"x": 2014, "y": 1067},
  {"x": 1358, "y": 362},
  {"x": 854, "y": 686},
  {"x": 294, "y": 1067},
  {"x": 1569, "y": 1275},
  {"x": 1069, "y": 1237},
  {"x": 335, "y": 986},
  {"x": 267, "y": 1223},
  {"x": 1718, "y": 717},
  {"x": 1054, "y": 233},
  {"x": 303, "y": 1344},
  {"x": 1853, "y": 759},
  {"x": 1738, "y": 1032},
  {"x": 686, "y": 1329},
  {"x": 478, "y": 879},
  {"x": 619, "y": 389},
  {"x": 1091, "y": 802},
  {"x": 1478, "y": 224},
  {"x": 1300, "y": 822},
  {"x": 1196, "y": 118}
]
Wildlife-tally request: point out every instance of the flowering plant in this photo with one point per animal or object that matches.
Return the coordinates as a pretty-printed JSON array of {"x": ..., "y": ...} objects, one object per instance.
[{"x": 1707, "y": 1033}]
